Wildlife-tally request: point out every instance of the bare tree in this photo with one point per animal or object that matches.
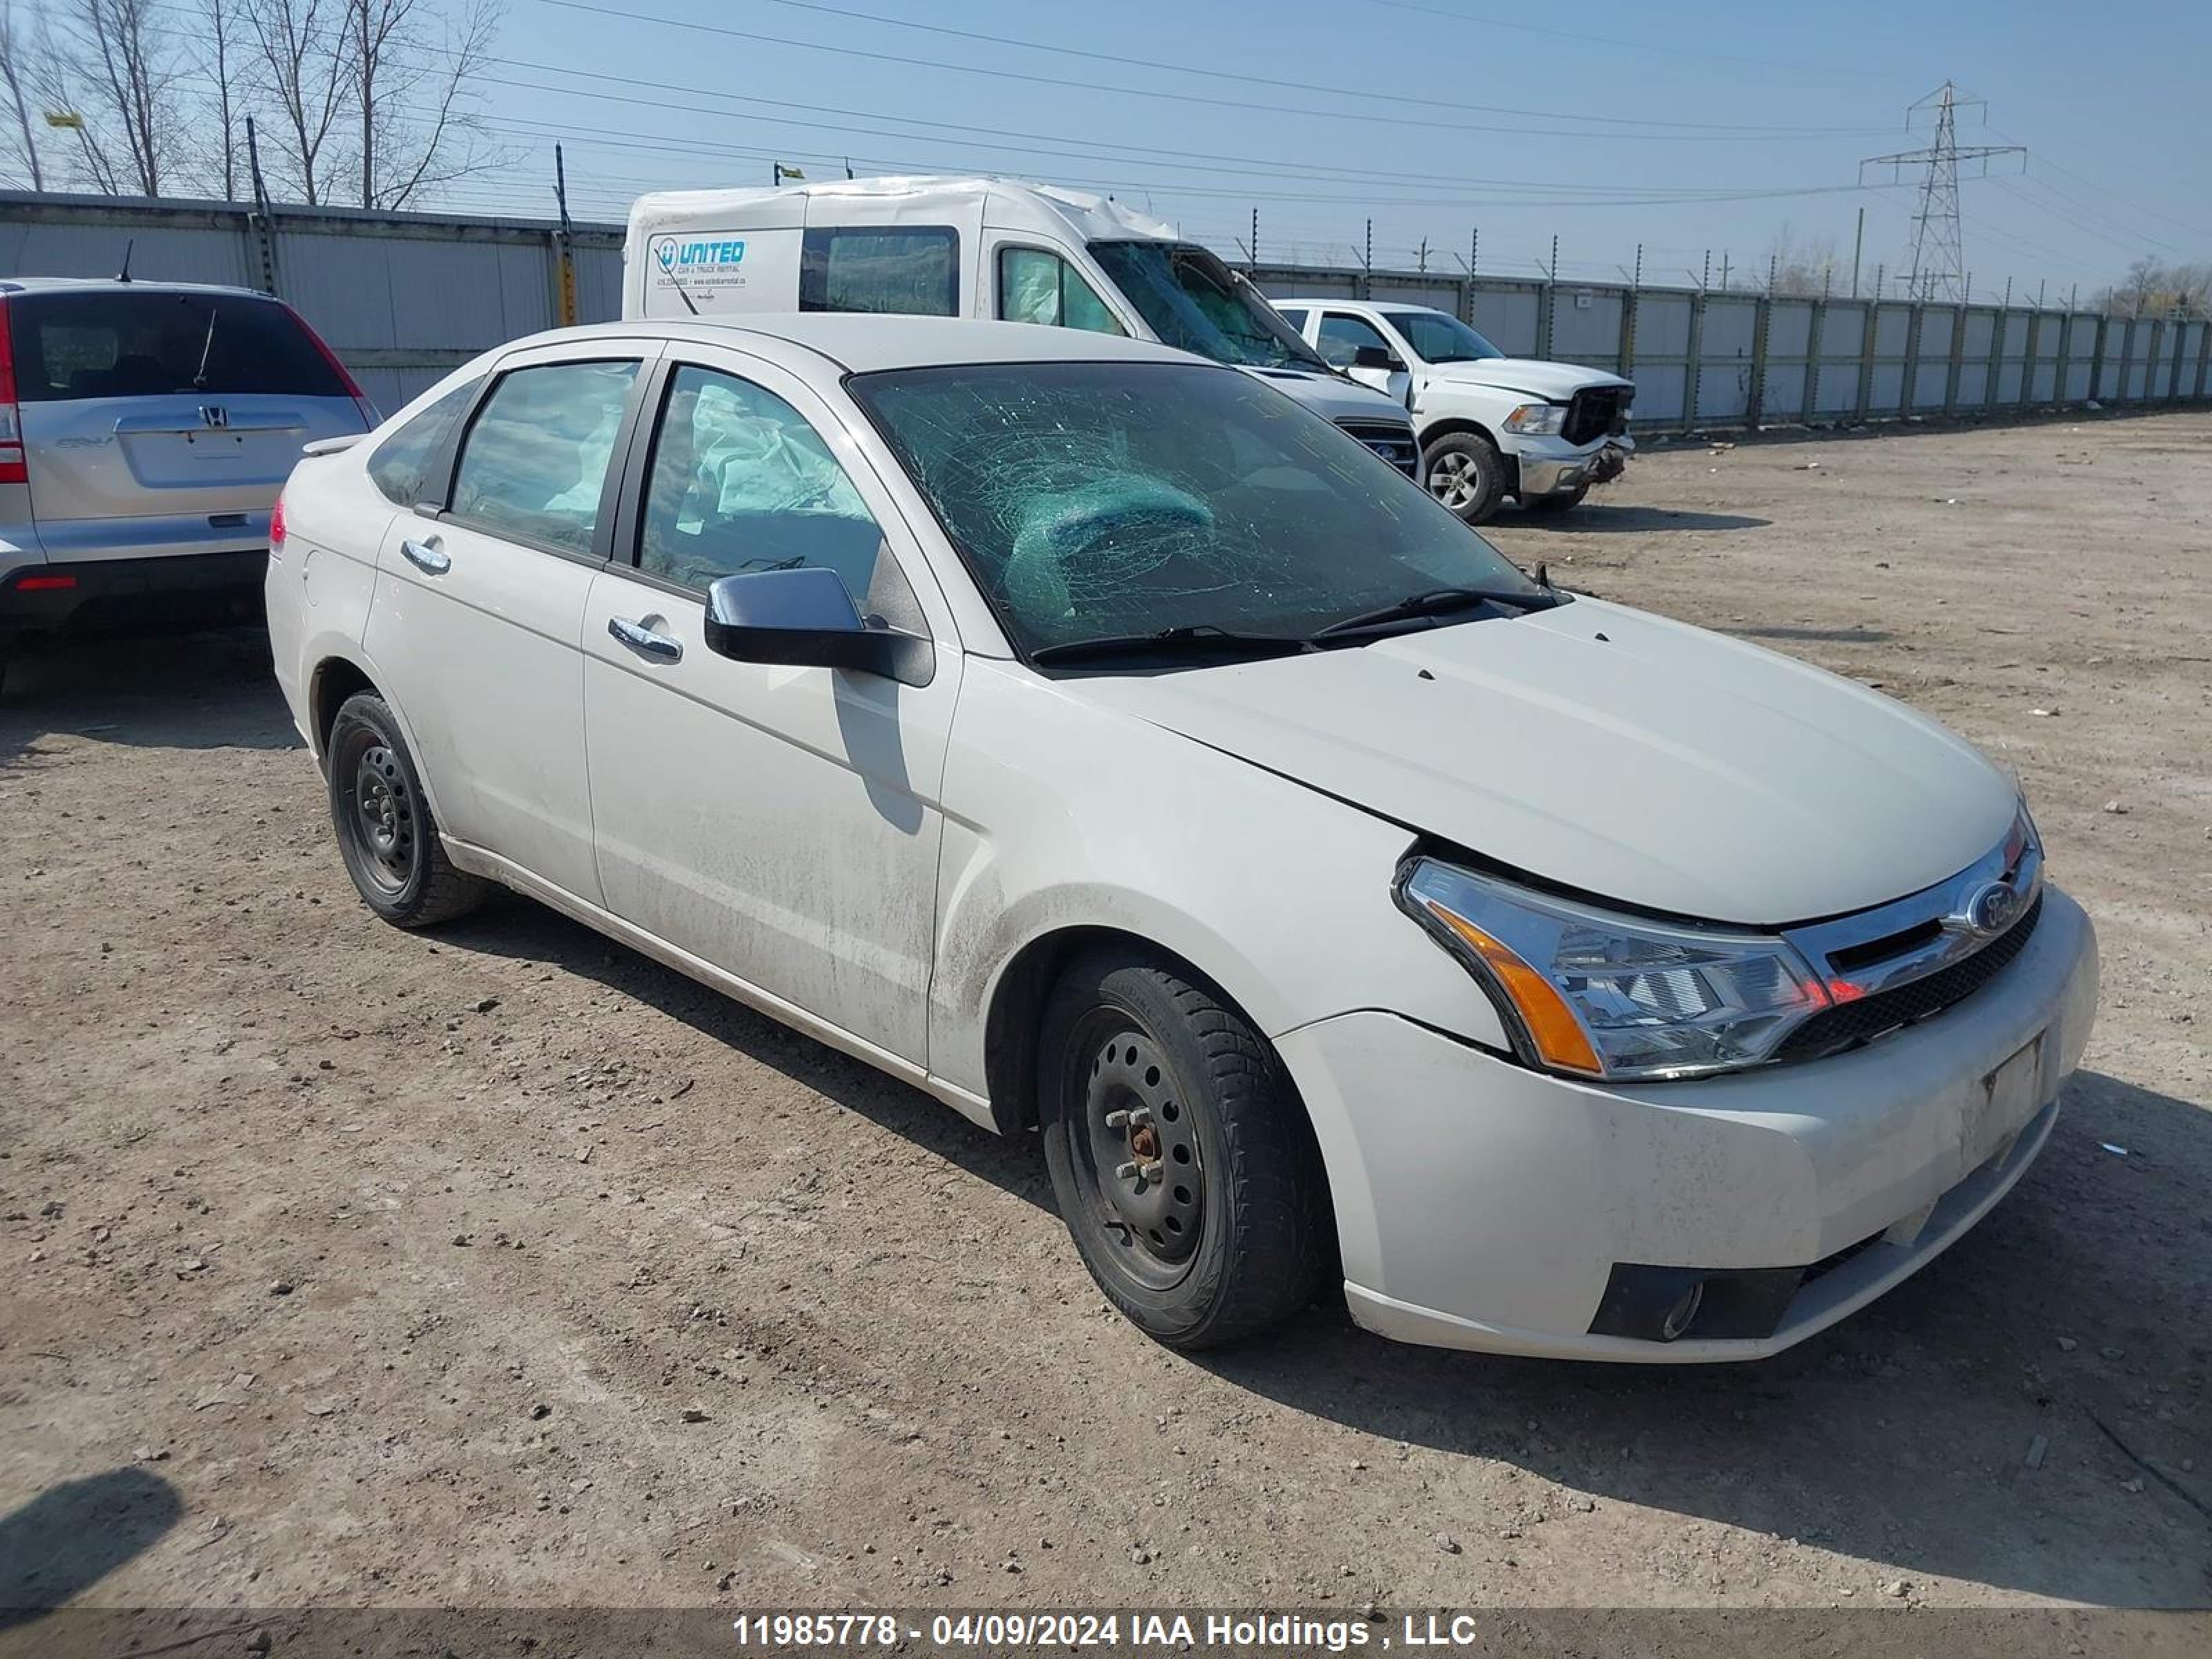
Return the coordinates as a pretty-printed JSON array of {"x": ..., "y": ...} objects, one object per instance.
[
  {"x": 2155, "y": 288},
  {"x": 397, "y": 66},
  {"x": 307, "y": 54},
  {"x": 60, "y": 87},
  {"x": 1806, "y": 266},
  {"x": 221, "y": 56},
  {"x": 15, "y": 74},
  {"x": 129, "y": 70}
]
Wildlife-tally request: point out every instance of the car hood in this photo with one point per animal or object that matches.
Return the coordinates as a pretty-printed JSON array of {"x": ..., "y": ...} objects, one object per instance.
[
  {"x": 1555, "y": 381},
  {"x": 1613, "y": 752},
  {"x": 1333, "y": 398}
]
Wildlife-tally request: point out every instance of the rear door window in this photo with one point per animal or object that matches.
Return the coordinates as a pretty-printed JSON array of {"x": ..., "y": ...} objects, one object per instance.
[
  {"x": 910, "y": 271},
  {"x": 108, "y": 343},
  {"x": 400, "y": 460},
  {"x": 534, "y": 465}
]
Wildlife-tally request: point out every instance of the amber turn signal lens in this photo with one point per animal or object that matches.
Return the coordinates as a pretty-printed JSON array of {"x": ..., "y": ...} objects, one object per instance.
[{"x": 1552, "y": 1025}]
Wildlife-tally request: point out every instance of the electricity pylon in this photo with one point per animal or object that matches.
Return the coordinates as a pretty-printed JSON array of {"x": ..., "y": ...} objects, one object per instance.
[{"x": 1937, "y": 263}]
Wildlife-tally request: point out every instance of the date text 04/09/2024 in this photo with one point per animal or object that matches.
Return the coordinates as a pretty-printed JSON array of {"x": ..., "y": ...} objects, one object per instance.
[{"x": 1244, "y": 1631}]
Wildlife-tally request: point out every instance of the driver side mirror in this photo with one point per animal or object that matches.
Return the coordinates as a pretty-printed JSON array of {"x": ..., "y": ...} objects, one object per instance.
[
  {"x": 1382, "y": 357},
  {"x": 804, "y": 617}
]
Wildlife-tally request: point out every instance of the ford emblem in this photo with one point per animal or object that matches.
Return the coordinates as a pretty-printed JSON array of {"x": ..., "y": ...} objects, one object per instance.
[{"x": 1990, "y": 909}]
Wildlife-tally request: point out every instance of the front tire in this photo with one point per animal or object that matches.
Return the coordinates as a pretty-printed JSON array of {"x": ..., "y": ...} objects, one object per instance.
[
  {"x": 1467, "y": 475},
  {"x": 385, "y": 833},
  {"x": 1182, "y": 1159}
]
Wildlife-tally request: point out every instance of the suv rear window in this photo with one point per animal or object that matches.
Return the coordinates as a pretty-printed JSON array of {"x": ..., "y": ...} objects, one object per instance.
[{"x": 107, "y": 344}]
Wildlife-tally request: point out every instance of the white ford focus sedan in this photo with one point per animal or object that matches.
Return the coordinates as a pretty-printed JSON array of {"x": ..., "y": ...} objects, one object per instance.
[{"x": 1106, "y": 744}]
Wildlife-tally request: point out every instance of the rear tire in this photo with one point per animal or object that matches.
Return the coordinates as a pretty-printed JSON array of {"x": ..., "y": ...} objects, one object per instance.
[
  {"x": 1565, "y": 501},
  {"x": 1467, "y": 475},
  {"x": 1183, "y": 1160},
  {"x": 385, "y": 833}
]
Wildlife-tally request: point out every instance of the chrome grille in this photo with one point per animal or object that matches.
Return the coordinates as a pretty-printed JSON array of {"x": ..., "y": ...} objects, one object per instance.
[
  {"x": 1901, "y": 963},
  {"x": 1849, "y": 1023},
  {"x": 1394, "y": 444}
]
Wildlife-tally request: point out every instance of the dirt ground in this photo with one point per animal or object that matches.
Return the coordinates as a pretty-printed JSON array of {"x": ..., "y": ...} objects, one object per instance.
[{"x": 501, "y": 1266}]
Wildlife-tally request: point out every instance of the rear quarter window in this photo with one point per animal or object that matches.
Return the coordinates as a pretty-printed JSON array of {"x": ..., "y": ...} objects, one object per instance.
[
  {"x": 102, "y": 342},
  {"x": 399, "y": 462}
]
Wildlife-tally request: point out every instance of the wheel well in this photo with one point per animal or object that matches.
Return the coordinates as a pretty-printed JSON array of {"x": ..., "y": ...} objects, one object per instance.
[
  {"x": 1013, "y": 1025},
  {"x": 1458, "y": 426},
  {"x": 335, "y": 679}
]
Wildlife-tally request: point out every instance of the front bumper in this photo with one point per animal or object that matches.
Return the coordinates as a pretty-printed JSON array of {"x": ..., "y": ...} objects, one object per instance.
[
  {"x": 181, "y": 590},
  {"x": 1481, "y": 1205},
  {"x": 1548, "y": 466}
]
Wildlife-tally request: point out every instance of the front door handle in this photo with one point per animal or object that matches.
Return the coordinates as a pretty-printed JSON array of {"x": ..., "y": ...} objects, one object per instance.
[
  {"x": 428, "y": 556},
  {"x": 643, "y": 641}
]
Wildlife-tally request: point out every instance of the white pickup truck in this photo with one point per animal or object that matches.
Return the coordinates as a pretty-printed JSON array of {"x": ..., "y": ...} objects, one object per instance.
[{"x": 1489, "y": 425}]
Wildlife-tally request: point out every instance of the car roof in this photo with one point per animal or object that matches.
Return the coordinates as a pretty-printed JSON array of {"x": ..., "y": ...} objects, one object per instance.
[
  {"x": 1387, "y": 306},
  {"x": 135, "y": 285},
  {"x": 863, "y": 343}
]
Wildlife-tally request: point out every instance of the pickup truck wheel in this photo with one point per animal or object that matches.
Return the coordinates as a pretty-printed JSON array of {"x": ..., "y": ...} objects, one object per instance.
[
  {"x": 1467, "y": 475},
  {"x": 1565, "y": 501},
  {"x": 1182, "y": 1160},
  {"x": 382, "y": 817}
]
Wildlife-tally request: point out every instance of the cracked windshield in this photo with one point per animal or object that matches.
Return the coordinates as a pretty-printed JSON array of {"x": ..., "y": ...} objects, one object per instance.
[
  {"x": 1196, "y": 303},
  {"x": 1102, "y": 499}
]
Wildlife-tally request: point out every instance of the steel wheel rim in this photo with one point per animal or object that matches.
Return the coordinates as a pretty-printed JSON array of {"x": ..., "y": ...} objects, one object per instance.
[
  {"x": 381, "y": 817},
  {"x": 1453, "y": 481},
  {"x": 1135, "y": 1149}
]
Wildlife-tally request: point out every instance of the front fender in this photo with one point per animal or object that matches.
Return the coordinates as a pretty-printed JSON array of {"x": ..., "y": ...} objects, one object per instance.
[{"x": 1063, "y": 815}]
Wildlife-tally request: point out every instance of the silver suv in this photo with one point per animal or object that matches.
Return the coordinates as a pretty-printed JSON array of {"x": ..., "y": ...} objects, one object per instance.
[{"x": 145, "y": 429}]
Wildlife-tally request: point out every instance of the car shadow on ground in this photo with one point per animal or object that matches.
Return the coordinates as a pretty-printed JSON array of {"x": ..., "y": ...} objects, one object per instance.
[
  {"x": 1849, "y": 1442},
  {"x": 512, "y": 925},
  {"x": 1908, "y": 1434},
  {"x": 70, "y": 1536},
  {"x": 1596, "y": 517},
  {"x": 203, "y": 691}
]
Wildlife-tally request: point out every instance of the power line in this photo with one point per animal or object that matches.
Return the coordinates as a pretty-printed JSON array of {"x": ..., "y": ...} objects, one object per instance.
[
  {"x": 1210, "y": 73},
  {"x": 1587, "y": 38},
  {"x": 1423, "y": 124}
]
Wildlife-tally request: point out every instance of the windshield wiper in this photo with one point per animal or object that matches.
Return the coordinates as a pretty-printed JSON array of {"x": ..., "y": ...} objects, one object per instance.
[
  {"x": 1438, "y": 600},
  {"x": 1199, "y": 637},
  {"x": 207, "y": 351}
]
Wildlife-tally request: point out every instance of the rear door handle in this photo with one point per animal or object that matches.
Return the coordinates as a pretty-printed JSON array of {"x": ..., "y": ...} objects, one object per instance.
[
  {"x": 643, "y": 641},
  {"x": 428, "y": 556}
]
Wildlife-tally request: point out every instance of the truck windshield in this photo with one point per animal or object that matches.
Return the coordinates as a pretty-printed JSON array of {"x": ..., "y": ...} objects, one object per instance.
[
  {"x": 1438, "y": 338},
  {"x": 1119, "y": 501},
  {"x": 1196, "y": 303}
]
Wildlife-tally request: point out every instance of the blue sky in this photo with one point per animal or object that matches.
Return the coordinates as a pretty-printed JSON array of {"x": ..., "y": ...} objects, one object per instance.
[{"x": 1607, "y": 124}]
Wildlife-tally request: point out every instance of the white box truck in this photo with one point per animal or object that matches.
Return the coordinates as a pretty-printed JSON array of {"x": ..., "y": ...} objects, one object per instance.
[{"x": 981, "y": 247}]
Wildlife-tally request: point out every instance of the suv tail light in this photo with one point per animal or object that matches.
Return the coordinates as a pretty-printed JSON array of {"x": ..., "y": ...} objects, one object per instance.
[
  {"x": 12, "y": 467},
  {"x": 360, "y": 402}
]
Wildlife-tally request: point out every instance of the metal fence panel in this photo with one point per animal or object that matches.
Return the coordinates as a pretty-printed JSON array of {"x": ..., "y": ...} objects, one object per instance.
[
  {"x": 1586, "y": 326},
  {"x": 404, "y": 297},
  {"x": 1508, "y": 317}
]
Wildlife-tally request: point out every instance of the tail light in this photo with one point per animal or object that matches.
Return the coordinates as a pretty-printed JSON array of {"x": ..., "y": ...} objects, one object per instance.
[
  {"x": 277, "y": 527},
  {"x": 360, "y": 402},
  {"x": 12, "y": 467}
]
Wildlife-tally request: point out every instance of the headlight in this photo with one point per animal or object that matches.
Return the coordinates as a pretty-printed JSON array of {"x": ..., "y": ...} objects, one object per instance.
[
  {"x": 1537, "y": 419},
  {"x": 1602, "y": 995}
]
